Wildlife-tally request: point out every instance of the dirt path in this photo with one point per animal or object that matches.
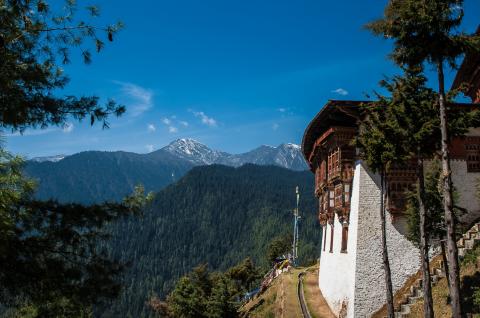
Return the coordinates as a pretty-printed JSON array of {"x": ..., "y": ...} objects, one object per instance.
[{"x": 316, "y": 303}]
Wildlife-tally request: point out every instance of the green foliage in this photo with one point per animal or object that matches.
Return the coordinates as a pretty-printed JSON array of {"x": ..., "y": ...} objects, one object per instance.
[
  {"x": 400, "y": 127},
  {"x": 433, "y": 200},
  {"x": 244, "y": 275},
  {"x": 35, "y": 42},
  {"x": 280, "y": 245},
  {"x": 204, "y": 294},
  {"x": 470, "y": 257},
  {"x": 98, "y": 176},
  {"x": 425, "y": 30},
  {"x": 476, "y": 298},
  {"x": 50, "y": 262},
  {"x": 215, "y": 214}
]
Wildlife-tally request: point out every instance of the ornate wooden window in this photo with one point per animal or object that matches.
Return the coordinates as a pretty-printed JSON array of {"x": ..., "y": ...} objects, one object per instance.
[
  {"x": 472, "y": 149},
  {"x": 347, "y": 194},
  {"x": 325, "y": 201},
  {"x": 347, "y": 172},
  {"x": 331, "y": 198},
  {"x": 323, "y": 172},
  {"x": 339, "y": 196},
  {"x": 334, "y": 168}
]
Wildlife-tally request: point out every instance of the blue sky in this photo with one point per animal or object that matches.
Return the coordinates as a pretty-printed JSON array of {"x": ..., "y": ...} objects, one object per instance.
[{"x": 232, "y": 74}]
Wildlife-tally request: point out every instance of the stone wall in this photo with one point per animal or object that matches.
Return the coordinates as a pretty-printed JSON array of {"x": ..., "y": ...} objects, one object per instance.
[{"x": 404, "y": 256}]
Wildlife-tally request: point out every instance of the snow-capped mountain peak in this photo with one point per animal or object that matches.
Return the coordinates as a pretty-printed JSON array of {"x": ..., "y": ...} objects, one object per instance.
[
  {"x": 193, "y": 151},
  {"x": 285, "y": 155},
  {"x": 55, "y": 158}
]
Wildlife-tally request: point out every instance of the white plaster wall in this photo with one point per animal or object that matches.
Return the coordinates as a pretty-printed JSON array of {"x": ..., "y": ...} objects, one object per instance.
[
  {"x": 466, "y": 186},
  {"x": 404, "y": 256},
  {"x": 337, "y": 270}
]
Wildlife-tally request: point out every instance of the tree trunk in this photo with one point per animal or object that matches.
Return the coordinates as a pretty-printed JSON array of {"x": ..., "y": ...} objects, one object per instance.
[
  {"x": 386, "y": 263},
  {"x": 452, "y": 251},
  {"x": 445, "y": 261},
  {"x": 424, "y": 244}
]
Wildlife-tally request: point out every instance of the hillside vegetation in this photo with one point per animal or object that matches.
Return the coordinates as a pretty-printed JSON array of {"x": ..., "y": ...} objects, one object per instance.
[
  {"x": 96, "y": 176},
  {"x": 217, "y": 215}
]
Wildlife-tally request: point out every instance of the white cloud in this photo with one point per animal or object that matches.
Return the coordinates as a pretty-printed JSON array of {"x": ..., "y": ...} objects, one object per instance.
[
  {"x": 275, "y": 126},
  {"x": 282, "y": 109},
  {"x": 340, "y": 91},
  {"x": 68, "y": 127},
  {"x": 209, "y": 121},
  {"x": 183, "y": 123},
  {"x": 167, "y": 122},
  {"x": 149, "y": 148},
  {"x": 30, "y": 132},
  {"x": 142, "y": 98},
  {"x": 151, "y": 127}
]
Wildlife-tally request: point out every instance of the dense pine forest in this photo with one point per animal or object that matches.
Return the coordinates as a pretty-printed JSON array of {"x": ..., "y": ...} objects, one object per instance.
[{"x": 215, "y": 214}]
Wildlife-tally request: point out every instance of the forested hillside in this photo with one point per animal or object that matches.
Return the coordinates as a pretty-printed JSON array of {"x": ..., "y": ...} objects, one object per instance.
[
  {"x": 96, "y": 176},
  {"x": 216, "y": 215}
]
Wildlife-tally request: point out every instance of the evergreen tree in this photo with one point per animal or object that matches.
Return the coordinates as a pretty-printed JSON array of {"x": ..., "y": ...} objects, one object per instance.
[
  {"x": 205, "y": 294},
  {"x": 379, "y": 153},
  {"x": 35, "y": 42},
  {"x": 187, "y": 300},
  {"x": 50, "y": 261},
  {"x": 245, "y": 274},
  {"x": 426, "y": 31},
  {"x": 221, "y": 303},
  {"x": 279, "y": 246},
  {"x": 409, "y": 114}
]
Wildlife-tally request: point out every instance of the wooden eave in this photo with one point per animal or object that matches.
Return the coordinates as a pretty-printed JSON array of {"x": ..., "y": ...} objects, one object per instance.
[
  {"x": 335, "y": 113},
  {"x": 338, "y": 113},
  {"x": 469, "y": 72}
]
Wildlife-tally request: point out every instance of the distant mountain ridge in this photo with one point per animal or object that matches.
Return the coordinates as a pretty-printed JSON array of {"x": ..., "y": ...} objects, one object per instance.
[
  {"x": 285, "y": 155},
  {"x": 96, "y": 176}
]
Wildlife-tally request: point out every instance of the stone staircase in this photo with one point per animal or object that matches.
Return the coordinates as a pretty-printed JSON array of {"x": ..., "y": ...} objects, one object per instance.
[{"x": 437, "y": 271}]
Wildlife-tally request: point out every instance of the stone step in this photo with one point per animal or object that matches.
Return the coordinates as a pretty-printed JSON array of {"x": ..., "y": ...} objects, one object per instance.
[
  {"x": 419, "y": 293},
  {"x": 413, "y": 291},
  {"x": 470, "y": 244},
  {"x": 413, "y": 299},
  {"x": 461, "y": 252},
  {"x": 437, "y": 271},
  {"x": 398, "y": 315},
  {"x": 440, "y": 272},
  {"x": 405, "y": 309},
  {"x": 473, "y": 234},
  {"x": 419, "y": 283},
  {"x": 461, "y": 242}
]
